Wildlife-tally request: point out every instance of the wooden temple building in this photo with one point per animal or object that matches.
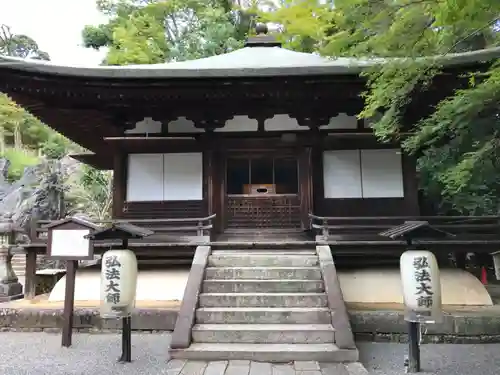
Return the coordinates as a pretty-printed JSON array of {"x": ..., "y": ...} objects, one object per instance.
[
  {"x": 257, "y": 147},
  {"x": 259, "y": 140},
  {"x": 261, "y": 137}
]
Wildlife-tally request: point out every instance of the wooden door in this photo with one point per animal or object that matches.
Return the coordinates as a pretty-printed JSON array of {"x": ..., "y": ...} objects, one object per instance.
[
  {"x": 305, "y": 186},
  {"x": 277, "y": 210}
]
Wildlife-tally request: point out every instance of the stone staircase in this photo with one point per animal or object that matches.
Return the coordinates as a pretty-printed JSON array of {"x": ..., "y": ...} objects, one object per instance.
[
  {"x": 19, "y": 264},
  {"x": 264, "y": 305}
]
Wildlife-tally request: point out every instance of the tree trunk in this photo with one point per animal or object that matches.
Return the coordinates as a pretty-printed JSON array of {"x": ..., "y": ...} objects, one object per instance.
[
  {"x": 2, "y": 140},
  {"x": 18, "y": 141}
]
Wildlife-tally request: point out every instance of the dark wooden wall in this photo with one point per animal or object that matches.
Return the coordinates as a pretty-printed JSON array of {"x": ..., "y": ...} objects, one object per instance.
[
  {"x": 215, "y": 200},
  {"x": 164, "y": 210}
]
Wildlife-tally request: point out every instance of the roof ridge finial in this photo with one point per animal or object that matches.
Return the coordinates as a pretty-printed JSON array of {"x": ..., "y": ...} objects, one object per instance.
[
  {"x": 262, "y": 39},
  {"x": 261, "y": 29}
]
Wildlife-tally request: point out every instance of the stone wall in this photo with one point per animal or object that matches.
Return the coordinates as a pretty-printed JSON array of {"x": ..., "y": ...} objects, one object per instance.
[
  {"x": 460, "y": 328},
  {"x": 84, "y": 320},
  {"x": 381, "y": 326}
]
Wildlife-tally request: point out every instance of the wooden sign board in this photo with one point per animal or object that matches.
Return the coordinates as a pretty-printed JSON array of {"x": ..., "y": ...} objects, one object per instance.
[{"x": 66, "y": 239}]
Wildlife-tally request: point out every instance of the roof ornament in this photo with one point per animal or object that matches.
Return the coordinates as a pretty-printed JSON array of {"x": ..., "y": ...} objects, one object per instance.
[
  {"x": 262, "y": 39},
  {"x": 261, "y": 28}
]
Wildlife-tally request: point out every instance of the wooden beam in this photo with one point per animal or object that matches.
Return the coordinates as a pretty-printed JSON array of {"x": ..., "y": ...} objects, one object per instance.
[
  {"x": 100, "y": 161},
  {"x": 148, "y": 139}
]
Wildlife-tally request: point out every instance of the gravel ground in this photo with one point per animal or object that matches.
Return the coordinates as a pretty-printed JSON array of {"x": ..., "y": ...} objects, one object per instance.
[
  {"x": 436, "y": 359},
  {"x": 96, "y": 354},
  {"x": 91, "y": 354}
]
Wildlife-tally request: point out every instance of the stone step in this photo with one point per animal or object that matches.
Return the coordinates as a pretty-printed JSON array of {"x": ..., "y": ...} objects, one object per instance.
[
  {"x": 263, "y": 315},
  {"x": 262, "y": 286},
  {"x": 263, "y": 273},
  {"x": 269, "y": 252},
  {"x": 262, "y": 260},
  {"x": 264, "y": 333},
  {"x": 263, "y": 300},
  {"x": 277, "y": 353}
]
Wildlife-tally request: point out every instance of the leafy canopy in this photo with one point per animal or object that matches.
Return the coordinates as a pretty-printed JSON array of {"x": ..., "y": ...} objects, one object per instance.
[
  {"x": 22, "y": 135},
  {"x": 458, "y": 145},
  {"x": 18, "y": 45},
  {"x": 148, "y": 32}
]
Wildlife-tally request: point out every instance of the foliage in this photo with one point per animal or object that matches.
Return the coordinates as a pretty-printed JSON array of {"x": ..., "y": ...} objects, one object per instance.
[
  {"x": 458, "y": 144},
  {"x": 155, "y": 31},
  {"x": 18, "y": 45},
  {"x": 25, "y": 141},
  {"x": 56, "y": 146},
  {"x": 303, "y": 24},
  {"x": 19, "y": 160},
  {"x": 91, "y": 193},
  {"x": 21, "y": 129},
  {"x": 18, "y": 127}
]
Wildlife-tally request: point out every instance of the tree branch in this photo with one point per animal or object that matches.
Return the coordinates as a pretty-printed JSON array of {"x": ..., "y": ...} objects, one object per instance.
[{"x": 473, "y": 33}]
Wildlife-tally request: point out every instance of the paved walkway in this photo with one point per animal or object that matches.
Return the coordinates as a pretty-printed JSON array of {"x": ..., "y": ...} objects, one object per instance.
[
  {"x": 179, "y": 367},
  {"x": 97, "y": 354},
  {"x": 40, "y": 353}
]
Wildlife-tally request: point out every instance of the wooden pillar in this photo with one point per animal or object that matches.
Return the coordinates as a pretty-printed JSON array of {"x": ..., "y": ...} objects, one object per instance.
[
  {"x": 305, "y": 182},
  {"x": 209, "y": 175},
  {"x": 209, "y": 185},
  {"x": 410, "y": 185},
  {"x": 461, "y": 260},
  {"x": 30, "y": 274},
  {"x": 213, "y": 183},
  {"x": 119, "y": 184}
]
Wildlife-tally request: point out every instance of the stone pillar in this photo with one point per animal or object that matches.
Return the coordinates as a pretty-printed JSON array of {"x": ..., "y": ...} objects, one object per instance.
[{"x": 10, "y": 287}]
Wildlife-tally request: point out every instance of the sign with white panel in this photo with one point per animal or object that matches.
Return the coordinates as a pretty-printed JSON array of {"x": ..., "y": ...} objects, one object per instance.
[
  {"x": 183, "y": 176},
  {"x": 70, "y": 243},
  {"x": 382, "y": 173},
  {"x": 145, "y": 177},
  {"x": 66, "y": 239}
]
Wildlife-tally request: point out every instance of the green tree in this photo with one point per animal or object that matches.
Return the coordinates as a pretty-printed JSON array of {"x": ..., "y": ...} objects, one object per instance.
[
  {"x": 155, "y": 31},
  {"x": 303, "y": 24},
  {"x": 18, "y": 45},
  {"x": 91, "y": 193},
  {"x": 22, "y": 135},
  {"x": 458, "y": 145}
]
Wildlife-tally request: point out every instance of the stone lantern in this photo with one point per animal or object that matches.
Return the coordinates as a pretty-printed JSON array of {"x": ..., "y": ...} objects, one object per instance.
[{"x": 10, "y": 287}]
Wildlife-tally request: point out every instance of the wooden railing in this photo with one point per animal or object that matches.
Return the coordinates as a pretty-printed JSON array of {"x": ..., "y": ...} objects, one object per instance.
[
  {"x": 266, "y": 211},
  {"x": 165, "y": 231},
  {"x": 348, "y": 228}
]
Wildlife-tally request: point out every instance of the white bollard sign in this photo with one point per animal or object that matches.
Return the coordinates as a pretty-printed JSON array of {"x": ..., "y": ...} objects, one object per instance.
[
  {"x": 421, "y": 286},
  {"x": 118, "y": 283}
]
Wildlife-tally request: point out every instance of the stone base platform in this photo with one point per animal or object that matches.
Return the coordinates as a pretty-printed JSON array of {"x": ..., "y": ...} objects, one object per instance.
[
  {"x": 461, "y": 324},
  {"x": 370, "y": 322},
  {"x": 373, "y": 300},
  {"x": 368, "y": 286}
]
